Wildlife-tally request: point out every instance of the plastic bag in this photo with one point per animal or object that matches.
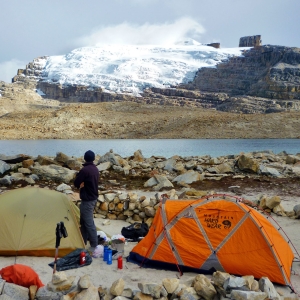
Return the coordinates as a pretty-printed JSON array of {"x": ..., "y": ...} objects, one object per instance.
[
  {"x": 72, "y": 260},
  {"x": 98, "y": 252},
  {"x": 118, "y": 237},
  {"x": 102, "y": 237}
]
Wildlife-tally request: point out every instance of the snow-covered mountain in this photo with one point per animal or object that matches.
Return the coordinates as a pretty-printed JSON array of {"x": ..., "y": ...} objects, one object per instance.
[{"x": 132, "y": 68}]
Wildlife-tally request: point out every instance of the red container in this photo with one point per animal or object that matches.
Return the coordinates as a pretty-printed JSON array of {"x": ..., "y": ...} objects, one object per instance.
[
  {"x": 82, "y": 258},
  {"x": 120, "y": 262}
]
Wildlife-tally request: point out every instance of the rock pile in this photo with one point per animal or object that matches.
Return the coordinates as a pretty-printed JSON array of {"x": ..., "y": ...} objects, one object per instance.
[
  {"x": 221, "y": 285},
  {"x": 158, "y": 174}
]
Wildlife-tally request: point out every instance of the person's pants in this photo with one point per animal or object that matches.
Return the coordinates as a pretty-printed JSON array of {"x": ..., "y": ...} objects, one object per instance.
[{"x": 88, "y": 228}]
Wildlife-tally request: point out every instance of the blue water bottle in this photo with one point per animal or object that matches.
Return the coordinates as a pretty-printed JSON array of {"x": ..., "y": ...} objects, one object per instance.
[
  {"x": 109, "y": 256},
  {"x": 105, "y": 253}
]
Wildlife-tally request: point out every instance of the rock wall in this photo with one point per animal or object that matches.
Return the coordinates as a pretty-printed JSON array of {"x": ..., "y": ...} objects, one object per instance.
[
  {"x": 32, "y": 70},
  {"x": 78, "y": 93},
  {"x": 266, "y": 71},
  {"x": 250, "y": 41}
]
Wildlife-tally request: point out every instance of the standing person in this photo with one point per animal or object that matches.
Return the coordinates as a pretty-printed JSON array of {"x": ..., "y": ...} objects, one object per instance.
[{"x": 87, "y": 181}]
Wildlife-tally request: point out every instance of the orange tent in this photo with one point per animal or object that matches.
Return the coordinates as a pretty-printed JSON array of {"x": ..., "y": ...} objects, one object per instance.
[{"x": 214, "y": 233}]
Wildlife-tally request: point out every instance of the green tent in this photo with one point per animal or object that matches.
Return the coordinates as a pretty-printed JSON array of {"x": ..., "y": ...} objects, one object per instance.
[{"x": 28, "y": 219}]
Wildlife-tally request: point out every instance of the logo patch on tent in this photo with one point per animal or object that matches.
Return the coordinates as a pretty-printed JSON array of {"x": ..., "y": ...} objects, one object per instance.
[{"x": 215, "y": 221}]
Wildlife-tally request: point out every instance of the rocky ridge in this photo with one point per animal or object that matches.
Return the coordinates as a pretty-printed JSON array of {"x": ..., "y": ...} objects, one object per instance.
[{"x": 267, "y": 71}]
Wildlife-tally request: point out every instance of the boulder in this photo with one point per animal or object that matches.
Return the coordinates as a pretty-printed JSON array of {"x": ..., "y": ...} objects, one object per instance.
[
  {"x": 73, "y": 164},
  {"x": 152, "y": 289},
  {"x": 61, "y": 158},
  {"x": 4, "y": 167},
  {"x": 157, "y": 182},
  {"x": 15, "y": 291},
  {"x": 85, "y": 282},
  {"x": 247, "y": 163},
  {"x": 117, "y": 287},
  {"x": 204, "y": 287},
  {"x": 247, "y": 295},
  {"x": 104, "y": 166},
  {"x": 53, "y": 172},
  {"x": 13, "y": 159},
  {"x": 268, "y": 171},
  {"x": 44, "y": 160},
  {"x": 265, "y": 285},
  {"x": 88, "y": 294},
  {"x": 170, "y": 284},
  {"x": 138, "y": 156},
  {"x": 109, "y": 157},
  {"x": 219, "y": 278},
  {"x": 296, "y": 209},
  {"x": 188, "y": 177}
]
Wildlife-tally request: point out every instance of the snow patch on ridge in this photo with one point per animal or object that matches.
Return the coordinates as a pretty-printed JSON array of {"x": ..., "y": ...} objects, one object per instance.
[{"x": 130, "y": 68}]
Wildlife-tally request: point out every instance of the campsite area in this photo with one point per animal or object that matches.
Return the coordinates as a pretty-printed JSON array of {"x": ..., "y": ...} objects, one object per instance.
[{"x": 104, "y": 275}]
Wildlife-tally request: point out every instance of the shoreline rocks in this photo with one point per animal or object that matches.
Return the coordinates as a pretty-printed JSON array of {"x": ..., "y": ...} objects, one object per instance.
[
  {"x": 174, "y": 176},
  {"x": 220, "y": 285}
]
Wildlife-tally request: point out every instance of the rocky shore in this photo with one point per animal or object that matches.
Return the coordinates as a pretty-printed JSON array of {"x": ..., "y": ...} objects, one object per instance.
[{"x": 180, "y": 177}]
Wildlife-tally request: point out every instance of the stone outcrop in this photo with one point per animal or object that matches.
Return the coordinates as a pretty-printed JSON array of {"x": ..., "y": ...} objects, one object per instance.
[
  {"x": 78, "y": 93},
  {"x": 250, "y": 41},
  {"x": 32, "y": 70},
  {"x": 268, "y": 71}
]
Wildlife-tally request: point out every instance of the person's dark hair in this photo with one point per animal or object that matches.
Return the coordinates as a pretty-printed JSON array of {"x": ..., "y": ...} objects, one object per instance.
[{"x": 89, "y": 156}]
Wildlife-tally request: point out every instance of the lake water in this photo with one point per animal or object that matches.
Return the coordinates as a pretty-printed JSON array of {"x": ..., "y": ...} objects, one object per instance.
[{"x": 149, "y": 147}]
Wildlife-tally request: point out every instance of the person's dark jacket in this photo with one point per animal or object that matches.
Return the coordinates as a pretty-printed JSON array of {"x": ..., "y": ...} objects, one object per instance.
[{"x": 89, "y": 174}]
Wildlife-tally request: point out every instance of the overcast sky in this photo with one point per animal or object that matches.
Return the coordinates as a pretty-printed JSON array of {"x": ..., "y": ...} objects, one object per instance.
[{"x": 31, "y": 28}]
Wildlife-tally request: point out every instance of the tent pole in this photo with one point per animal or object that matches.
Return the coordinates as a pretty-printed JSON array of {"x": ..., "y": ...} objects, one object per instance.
[{"x": 20, "y": 239}]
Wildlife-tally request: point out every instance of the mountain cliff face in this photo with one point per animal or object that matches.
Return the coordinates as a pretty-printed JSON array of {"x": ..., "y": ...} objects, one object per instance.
[
  {"x": 268, "y": 71},
  {"x": 260, "y": 79}
]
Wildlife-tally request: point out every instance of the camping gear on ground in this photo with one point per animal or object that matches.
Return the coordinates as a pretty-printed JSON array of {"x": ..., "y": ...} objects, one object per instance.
[
  {"x": 109, "y": 256},
  {"x": 105, "y": 253},
  {"x": 216, "y": 232},
  {"x": 102, "y": 237},
  {"x": 82, "y": 258},
  {"x": 135, "y": 231},
  {"x": 30, "y": 213},
  {"x": 120, "y": 262},
  {"x": 60, "y": 232},
  {"x": 21, "y": 275},
  {"x": 72, "y": 260},
  {"x": 118, "y": 245},
  {"x": 99, "y": 251}
]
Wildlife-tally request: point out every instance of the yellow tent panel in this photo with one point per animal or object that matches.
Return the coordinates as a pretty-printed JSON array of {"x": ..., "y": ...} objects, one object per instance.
[{"x": 28, "y": 219}]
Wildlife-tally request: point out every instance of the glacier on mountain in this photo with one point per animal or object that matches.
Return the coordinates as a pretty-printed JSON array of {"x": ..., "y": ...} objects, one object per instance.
[{"x": 132, "y": 68}]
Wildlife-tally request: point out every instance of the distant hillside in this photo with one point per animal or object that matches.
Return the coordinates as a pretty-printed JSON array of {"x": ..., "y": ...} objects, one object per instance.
[{"x": 260, "y": 79}]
